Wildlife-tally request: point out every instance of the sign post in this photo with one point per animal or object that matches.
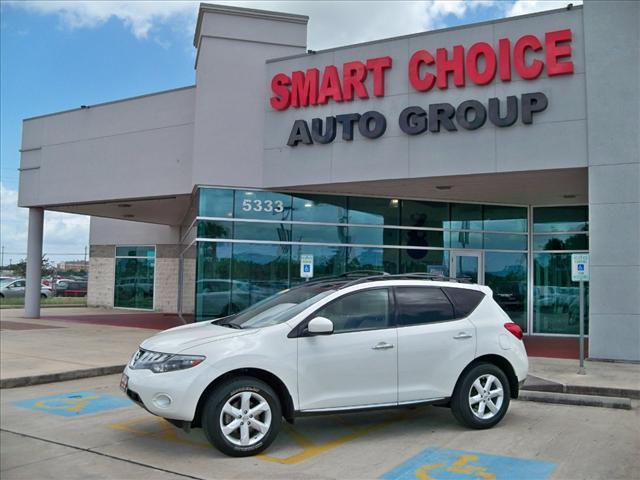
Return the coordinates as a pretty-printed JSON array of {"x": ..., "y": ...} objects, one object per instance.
[
  {"x": 306, "y": 266},
  {"x": 580, "y": 273}
]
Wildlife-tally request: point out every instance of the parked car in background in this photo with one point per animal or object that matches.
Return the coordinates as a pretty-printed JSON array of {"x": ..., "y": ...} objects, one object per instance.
[
  {"x": 71, "y": 288},
  {"x": 15, "y": 288}
]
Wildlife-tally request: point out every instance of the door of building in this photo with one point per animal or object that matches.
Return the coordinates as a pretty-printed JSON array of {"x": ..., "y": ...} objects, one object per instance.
[{"x": 467, "y": 264}]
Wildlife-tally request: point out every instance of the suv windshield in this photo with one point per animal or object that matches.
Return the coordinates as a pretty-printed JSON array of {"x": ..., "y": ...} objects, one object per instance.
[{"x": 278, "y": 308}]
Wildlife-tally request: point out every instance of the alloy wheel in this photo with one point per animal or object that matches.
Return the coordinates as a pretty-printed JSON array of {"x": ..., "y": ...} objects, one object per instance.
[
  {"x": 486, "y": 396},
  {"x": 245, "y": 419}
]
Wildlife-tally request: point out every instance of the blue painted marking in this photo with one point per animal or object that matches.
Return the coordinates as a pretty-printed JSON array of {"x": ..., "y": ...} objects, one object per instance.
[
  {"x": 73, "y": 404},
  {"x": 445, "y": 464},
  {"x": 306, "y": 268}
]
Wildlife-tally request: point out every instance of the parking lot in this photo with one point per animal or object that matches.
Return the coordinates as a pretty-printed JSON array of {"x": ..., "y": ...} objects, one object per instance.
[{"x": 87, "y": 429}]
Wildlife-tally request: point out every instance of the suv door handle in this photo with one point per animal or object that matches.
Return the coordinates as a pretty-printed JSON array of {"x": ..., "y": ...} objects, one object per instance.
[
  {"x": 382, "y": 346},
  {"x": 462, "y": 336}
]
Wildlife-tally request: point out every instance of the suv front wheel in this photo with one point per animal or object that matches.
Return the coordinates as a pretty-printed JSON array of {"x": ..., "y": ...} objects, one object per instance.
[
  {"x": 242, "y": 417},
  {"x": 481, "y": 397}
]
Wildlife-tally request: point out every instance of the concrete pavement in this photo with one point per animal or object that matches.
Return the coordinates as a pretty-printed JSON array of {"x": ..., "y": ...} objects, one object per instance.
[{"x": 127, "y": 442}]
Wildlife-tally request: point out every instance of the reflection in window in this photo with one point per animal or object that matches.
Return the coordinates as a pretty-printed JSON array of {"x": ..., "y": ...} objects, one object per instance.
[
  {"x": 435, "y": 262},
  {"x": 577, "y": 241},
  {"x": 421, "y": 305},
  {"x": 466, "y": 216},
  {"x": 214, "y": 229},
  {"x": 505, "y": 219},
  {"x": 506, "y": 274},
  {"x": 367, "y": 310},
  {"x": 276, "y": 232},
  {"x": 455, "y": 239},
  {"x": 213, "y": 282},
  {"x": 373, "y": 236},
  {"x": 425, "y": 214},
  {"x": 319, "y": 208},
  {"x": 504, "y": 241},
  {"x": 319, "y": 234},
  {"x": 561, "y": 219},
  {"x": 262, "y": 205},
  {"x": 327, "y": 261},
  {"x": 374, "y": 211},
  {"x": 261, "y": 270},
  {"x": 555, "y": 297},
  {"x": 215, "y": 202},
  {"x": 422, "y": 238},
  {"x": 377, "y": 259},
  {"x": 134, "y": 281}
]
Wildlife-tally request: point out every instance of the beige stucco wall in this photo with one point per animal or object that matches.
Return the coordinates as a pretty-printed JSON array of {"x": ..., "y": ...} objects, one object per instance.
[{"x": 102, "y": 270}]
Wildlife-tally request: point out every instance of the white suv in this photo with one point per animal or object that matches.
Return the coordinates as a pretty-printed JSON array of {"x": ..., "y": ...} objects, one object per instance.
[{"x": 329, "y": 346}]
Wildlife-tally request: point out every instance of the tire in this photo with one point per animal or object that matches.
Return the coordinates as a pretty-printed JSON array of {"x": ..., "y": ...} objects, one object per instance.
[
  {"x": 43, "y": 296},
  {"x": 230, "y": 396},
  {"x": 476, "y": 416}
]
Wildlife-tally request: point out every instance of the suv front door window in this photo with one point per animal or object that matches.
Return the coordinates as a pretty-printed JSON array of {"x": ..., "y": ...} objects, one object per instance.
[{"x": 356, "y": 365}]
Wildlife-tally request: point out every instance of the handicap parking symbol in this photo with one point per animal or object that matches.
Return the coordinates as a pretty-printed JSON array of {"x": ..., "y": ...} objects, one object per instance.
[
  {"x": 306, "y": 268},
  {"x": 445, "y": 464},
  {"x": 72, "y": 404}
]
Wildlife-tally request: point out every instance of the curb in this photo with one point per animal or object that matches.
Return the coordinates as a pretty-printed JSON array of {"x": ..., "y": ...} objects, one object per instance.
[
  {"x": 60, "y": 377},
  {"x": 574, "y": 399},
  {"x": 538, "y": 384}
]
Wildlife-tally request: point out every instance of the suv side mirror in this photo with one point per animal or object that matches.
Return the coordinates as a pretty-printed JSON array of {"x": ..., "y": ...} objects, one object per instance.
[{"x": 320, "y": 326}]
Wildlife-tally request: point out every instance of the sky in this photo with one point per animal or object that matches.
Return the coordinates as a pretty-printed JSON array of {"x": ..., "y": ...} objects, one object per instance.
[{"x": 58, "y": 55}]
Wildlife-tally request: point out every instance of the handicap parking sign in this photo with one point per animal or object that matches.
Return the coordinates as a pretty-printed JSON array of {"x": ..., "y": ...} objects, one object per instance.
[
  {"x": 72, "y": 404},
  {"x": 442, "y": 463}
]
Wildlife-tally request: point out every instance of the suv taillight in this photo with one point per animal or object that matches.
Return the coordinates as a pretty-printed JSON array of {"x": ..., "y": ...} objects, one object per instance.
[{"x": 515, "y": 329}]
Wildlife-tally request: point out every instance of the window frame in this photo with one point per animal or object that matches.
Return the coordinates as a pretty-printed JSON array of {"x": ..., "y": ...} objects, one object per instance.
[{"x": 300, "y": 330}]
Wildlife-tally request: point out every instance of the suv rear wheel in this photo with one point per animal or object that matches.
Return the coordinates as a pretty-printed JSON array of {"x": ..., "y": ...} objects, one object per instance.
[
  {"x": 242, "y": 417},
  {"x": 481, "y": 397}
]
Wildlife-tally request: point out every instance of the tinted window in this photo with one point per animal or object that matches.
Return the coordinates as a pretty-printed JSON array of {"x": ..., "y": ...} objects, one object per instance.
[
  {"x": 366, "y": 310},
  {"x": 419, "y": 305},
  {"x": 464, "y": 300}
]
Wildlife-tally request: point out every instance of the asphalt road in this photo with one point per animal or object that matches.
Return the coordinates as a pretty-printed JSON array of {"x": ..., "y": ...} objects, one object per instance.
[{"x": 85, "y": 429}]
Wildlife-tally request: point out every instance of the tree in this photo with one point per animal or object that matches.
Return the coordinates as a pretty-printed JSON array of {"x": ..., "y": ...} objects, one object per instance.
[{"x": 20, "y": 269}]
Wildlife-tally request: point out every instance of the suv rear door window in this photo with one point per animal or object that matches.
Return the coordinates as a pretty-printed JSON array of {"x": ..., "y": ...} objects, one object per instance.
[
  {"x": 464, "y": 300},
  {"x": 420, "y": 305},
  {"x": 363, "y": 310}
]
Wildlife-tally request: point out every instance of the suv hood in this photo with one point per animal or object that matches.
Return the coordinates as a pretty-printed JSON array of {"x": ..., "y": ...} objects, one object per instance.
[{"x": 178, "y": 339}]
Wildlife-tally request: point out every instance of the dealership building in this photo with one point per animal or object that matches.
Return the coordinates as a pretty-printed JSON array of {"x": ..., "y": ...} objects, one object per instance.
[{"x": 491, "y": 151}]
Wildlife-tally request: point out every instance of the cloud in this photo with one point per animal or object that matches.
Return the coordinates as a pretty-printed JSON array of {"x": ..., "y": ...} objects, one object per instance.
[
  {"x": 64, "y": 233},
  {"x": 522, "y": 7},
  {"x": 331, "y": 23}
]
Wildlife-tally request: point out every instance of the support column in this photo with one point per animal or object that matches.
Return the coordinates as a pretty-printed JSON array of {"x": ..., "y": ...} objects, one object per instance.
[{"x": 34, "y": 263}]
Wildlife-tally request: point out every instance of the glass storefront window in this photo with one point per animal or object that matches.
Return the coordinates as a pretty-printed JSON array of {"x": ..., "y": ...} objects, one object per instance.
[
  {"x": 327, "y": 261},
  {"x": 503, "y": 241},
  {"x": 275, "y": 232},
  {"x": 555, "y": 296},
  {"x": 504, "y": 219},
  {"x": 319, "y": 234},
  {"x": 260, "y": 270},
  {"x": 422, "y": 238},
  {"x": 134, "y": 277},
  {"x": 375, "y": 259},
  {"x": 465, "y": 217},
  {"x": 576, "y": 241},
  {"x": 424, "y": 214},
  {"x": 319, "y": 208},
  {"x": 424, "y": 261},
  {"x": 561, "y": 219},
  {"x": 463, "y": 239},
  {"x": 374, "y": 211},
  {"x": 506, "y": 274},
  {"x": 215, "y": 202},
  {"x": 213, "y": 281},
  {"x": 262, "y": 205},
  {"x": 215, "y": 229},
  {"x": 135, "y": 251},
  {"x": 373, "y": 236}
]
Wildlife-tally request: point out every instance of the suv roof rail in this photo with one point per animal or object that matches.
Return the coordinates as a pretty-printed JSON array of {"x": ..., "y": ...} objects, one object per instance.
[{"x": 407, "y": 276}]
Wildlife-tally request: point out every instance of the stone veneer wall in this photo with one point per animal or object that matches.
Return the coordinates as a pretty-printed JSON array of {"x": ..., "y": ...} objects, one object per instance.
[
  {"x": 102, "y": 277},
  {"x": 102, "y": 271}
]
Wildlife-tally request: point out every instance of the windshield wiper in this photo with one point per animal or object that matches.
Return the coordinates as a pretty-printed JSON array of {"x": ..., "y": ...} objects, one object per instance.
[{"x": 227, "y": 324}]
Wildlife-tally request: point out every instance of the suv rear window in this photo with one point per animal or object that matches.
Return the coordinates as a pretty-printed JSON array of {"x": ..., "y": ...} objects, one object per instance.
[
  {"x": 420, "y": 305},
  {"x": 464, "y": 300}
]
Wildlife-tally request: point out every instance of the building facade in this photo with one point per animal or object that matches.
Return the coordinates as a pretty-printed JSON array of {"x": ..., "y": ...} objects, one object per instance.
[{"x": 490, "y": 151}]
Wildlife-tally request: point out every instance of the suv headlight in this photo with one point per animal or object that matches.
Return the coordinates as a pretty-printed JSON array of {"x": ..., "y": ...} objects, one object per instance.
[{"x": 163, "y": 362}]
